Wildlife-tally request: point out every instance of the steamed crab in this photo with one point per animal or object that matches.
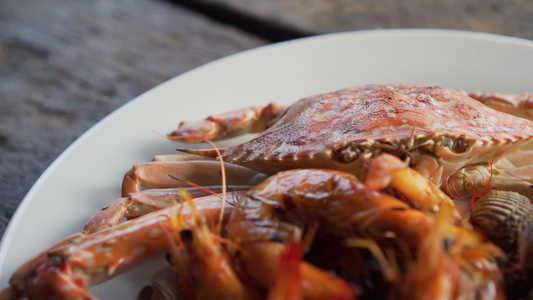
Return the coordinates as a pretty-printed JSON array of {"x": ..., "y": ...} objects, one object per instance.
[{"x": 438, "y": 131}]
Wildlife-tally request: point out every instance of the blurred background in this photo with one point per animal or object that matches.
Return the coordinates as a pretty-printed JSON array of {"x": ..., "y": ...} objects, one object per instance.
[{"x": 65, "y": 65}]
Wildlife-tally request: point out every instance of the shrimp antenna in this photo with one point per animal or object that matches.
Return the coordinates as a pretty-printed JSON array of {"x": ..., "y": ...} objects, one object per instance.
[
  {"x": 453, "y": 192},
  {"x": 218, "y": 227},
  {"x": 208, "y": 191}
]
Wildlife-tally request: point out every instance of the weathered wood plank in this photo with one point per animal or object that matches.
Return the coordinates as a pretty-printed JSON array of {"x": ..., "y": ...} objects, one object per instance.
[
  {"x": 511, "y": 17},
  {"x": 64, "y": 65}
]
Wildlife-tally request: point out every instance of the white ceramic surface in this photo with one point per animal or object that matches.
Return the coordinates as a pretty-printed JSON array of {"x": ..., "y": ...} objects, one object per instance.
[{"x": 89, "y": 173}]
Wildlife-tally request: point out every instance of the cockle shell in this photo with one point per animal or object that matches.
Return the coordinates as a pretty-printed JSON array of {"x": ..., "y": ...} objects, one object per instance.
[
  {"x": 502, "y": 215},
  {"x": 164, "y": 287}
]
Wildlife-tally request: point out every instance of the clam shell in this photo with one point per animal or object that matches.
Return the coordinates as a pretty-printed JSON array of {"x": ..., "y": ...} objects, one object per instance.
[
  {"x": 164, "y": 286},
  {"x": 502, "y": 215}
]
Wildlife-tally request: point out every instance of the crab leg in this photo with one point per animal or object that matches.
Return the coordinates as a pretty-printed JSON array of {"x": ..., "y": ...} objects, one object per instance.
[
  {"x": 168, "y": 173},
  {"x": 519, "y": 105},
  {"x": 251, "y": 119},
  {"x": 76, "y": 264},
  {"x": 144, "y": 202}
]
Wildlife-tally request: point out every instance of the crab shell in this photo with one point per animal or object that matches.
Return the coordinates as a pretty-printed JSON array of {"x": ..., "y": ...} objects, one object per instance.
[{"x": 437, "y": 130}]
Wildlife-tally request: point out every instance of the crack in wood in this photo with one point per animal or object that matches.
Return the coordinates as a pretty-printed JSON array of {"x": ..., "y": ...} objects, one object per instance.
[{"x": 266, "y": 29}]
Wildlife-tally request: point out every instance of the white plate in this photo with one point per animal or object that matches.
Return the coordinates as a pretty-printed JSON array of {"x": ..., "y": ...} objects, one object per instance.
[{"x": 88, "y": 174}]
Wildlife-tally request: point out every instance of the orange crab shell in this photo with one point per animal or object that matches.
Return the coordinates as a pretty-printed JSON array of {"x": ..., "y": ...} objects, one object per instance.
[{"x": 333, "y": 130}]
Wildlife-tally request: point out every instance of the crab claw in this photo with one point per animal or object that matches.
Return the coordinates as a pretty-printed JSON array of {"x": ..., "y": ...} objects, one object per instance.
[
  {"x": 177, "y": 170},
  {"x": 251, "y": 119}
]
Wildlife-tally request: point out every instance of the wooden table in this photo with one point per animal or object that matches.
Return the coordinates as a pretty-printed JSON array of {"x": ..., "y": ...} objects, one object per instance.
[{"x": 64, "y": 65}]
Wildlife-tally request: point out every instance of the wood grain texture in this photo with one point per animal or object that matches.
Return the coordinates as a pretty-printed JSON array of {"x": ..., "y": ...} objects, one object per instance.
[
  {"x": 508, "y": 17},
  {"x": 64, "y": 65}
]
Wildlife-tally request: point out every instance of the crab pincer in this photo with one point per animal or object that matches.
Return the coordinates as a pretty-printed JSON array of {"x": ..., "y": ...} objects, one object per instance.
[{"x": 251, "y": 119}]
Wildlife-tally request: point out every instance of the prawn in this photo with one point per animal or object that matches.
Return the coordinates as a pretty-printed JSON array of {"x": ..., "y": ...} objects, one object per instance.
[
  {"x": 451, "y": 263},
  {"x": 203, "y": 266}
]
